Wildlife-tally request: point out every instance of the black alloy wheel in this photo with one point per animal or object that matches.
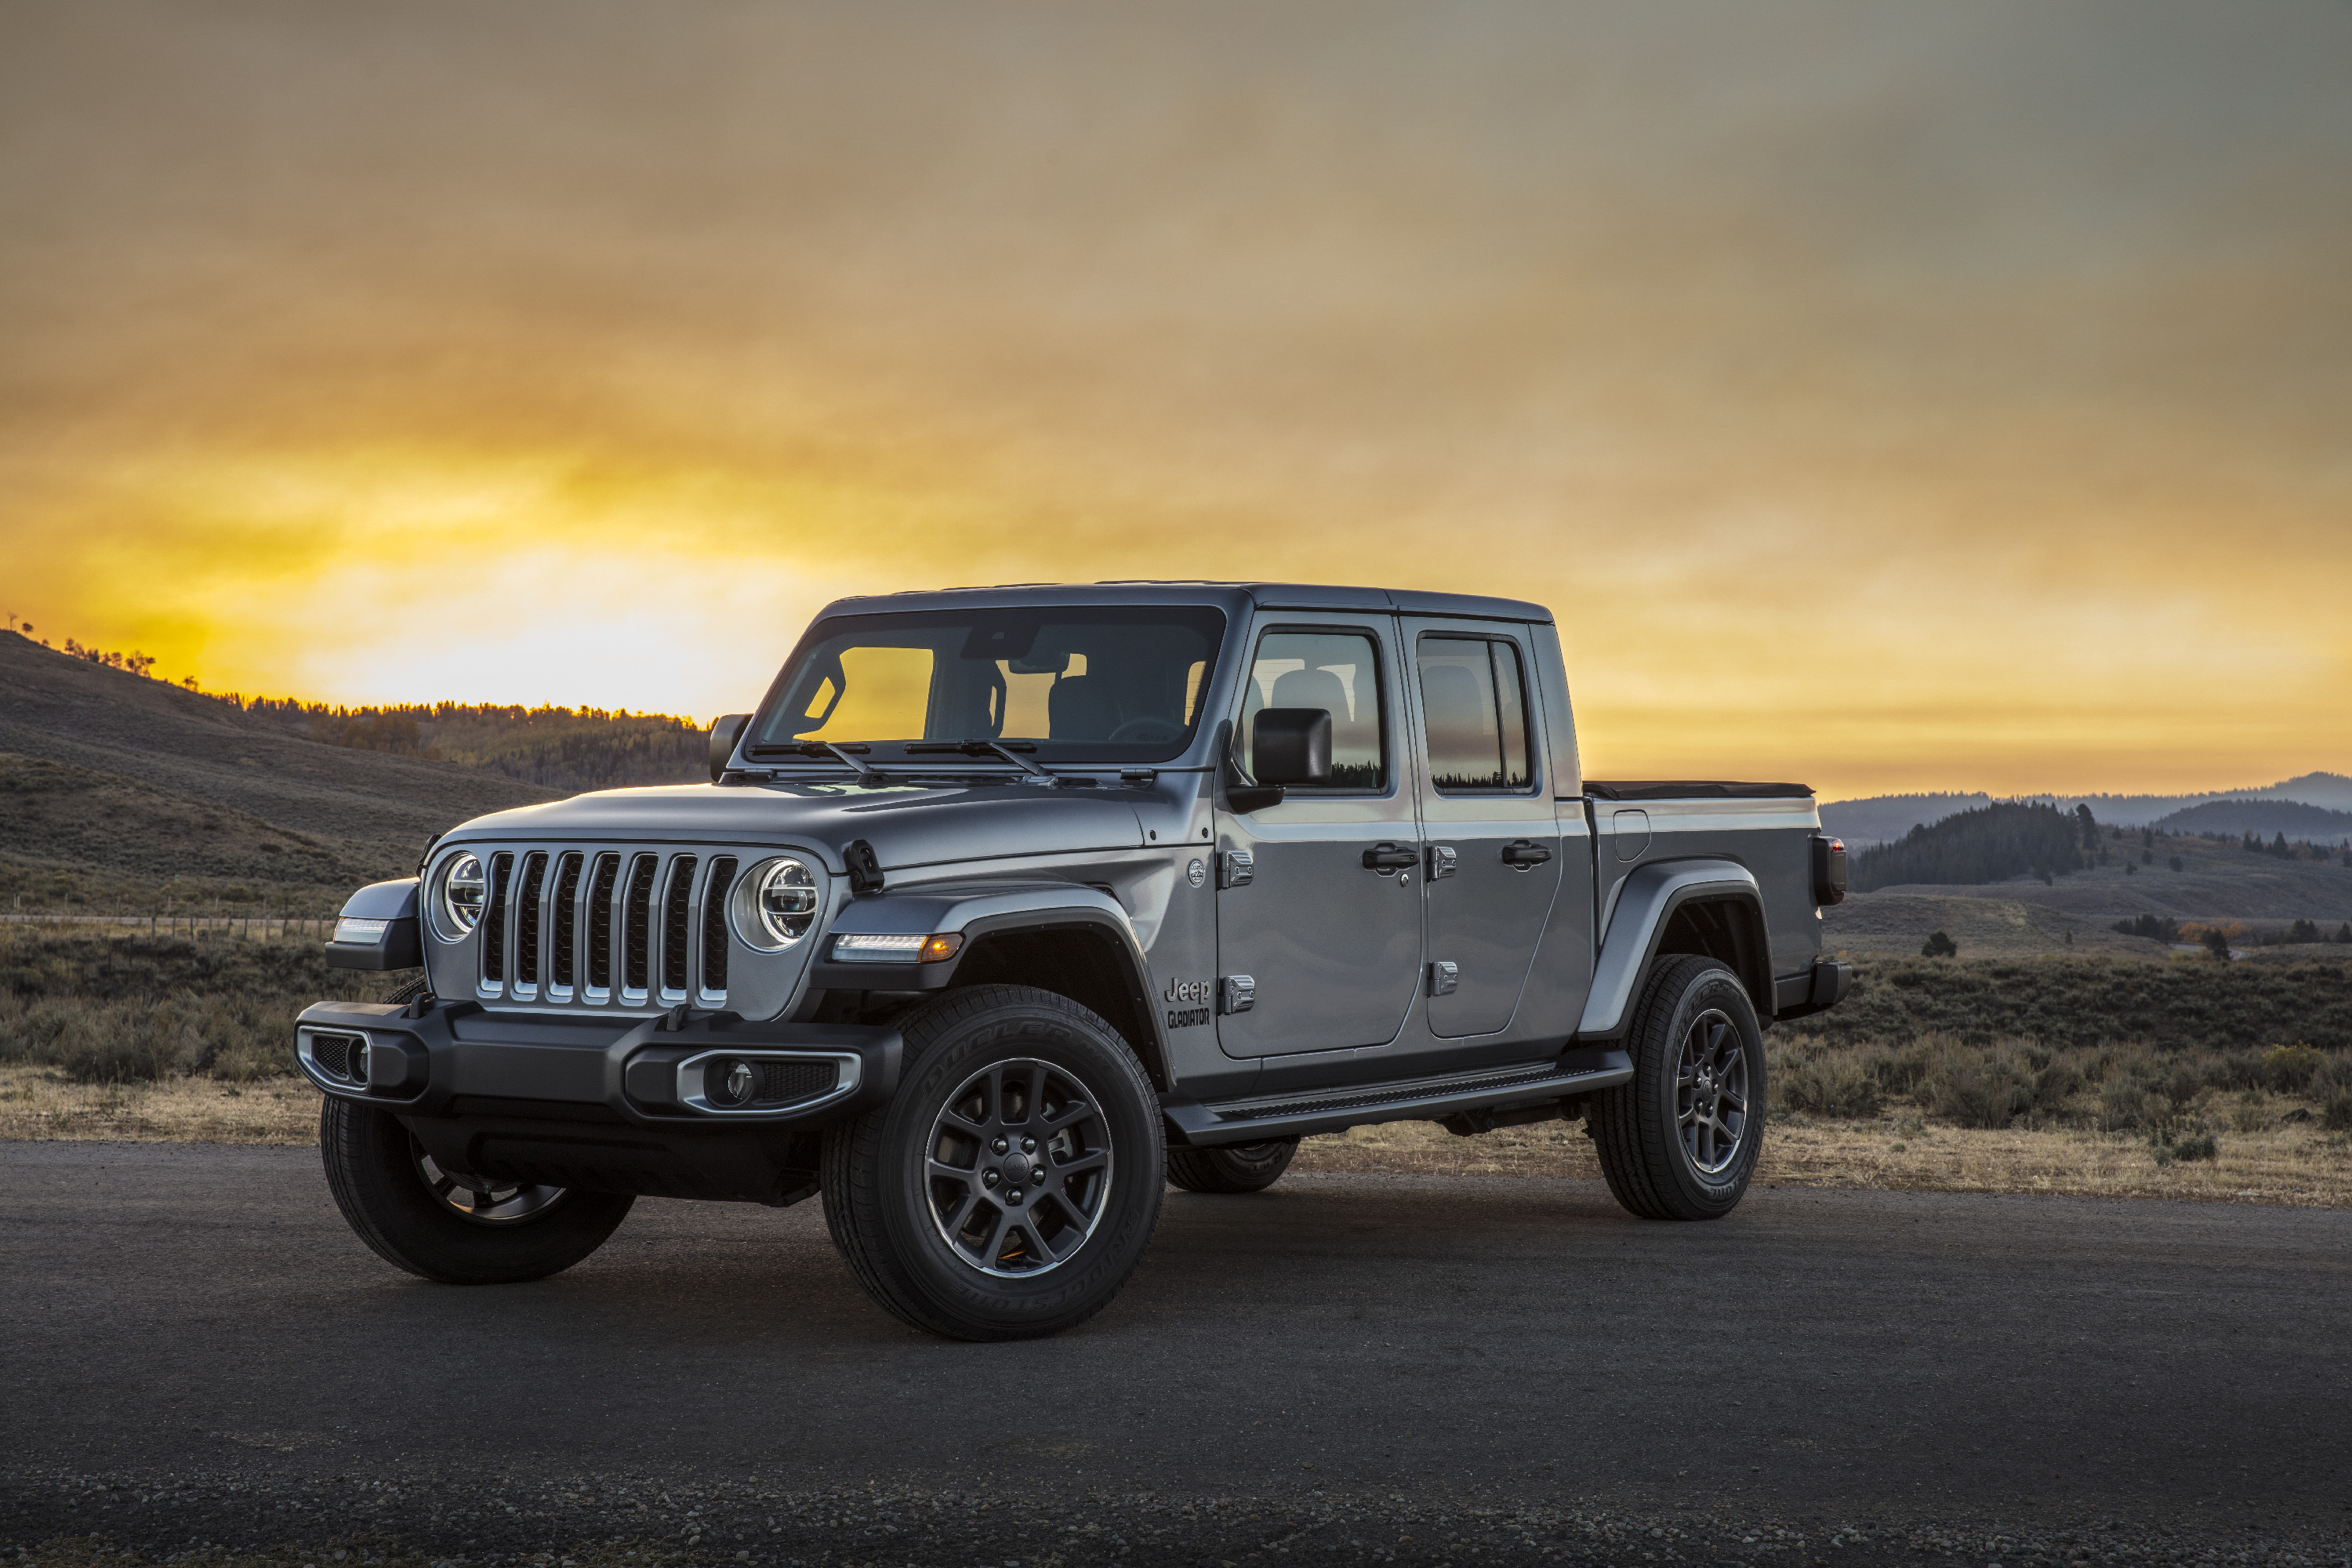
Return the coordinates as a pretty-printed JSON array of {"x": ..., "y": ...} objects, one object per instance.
[
  {"x": 1682, "y": 1140},
  {"x": 1019, "y": 1165},
  {"x": 1009, "y": 1187},
  {"x": 458, "y": 1229},
  {"x": 1233, "y": 1168}
]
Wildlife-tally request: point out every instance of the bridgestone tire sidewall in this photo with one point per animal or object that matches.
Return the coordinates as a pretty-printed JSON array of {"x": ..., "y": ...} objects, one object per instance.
[
  {"x": 1235, "y": 1168},
  {"x": 872, "y": 1166},
  {"x": 372, "y": 1171},
  {"x": 1642, "y": 1155}
]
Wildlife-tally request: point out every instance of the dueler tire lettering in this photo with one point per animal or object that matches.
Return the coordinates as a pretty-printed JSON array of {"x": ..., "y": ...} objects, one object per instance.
[
  {"x": 879, "y": 1201},
  {"x": 1681, "y": 1141}
]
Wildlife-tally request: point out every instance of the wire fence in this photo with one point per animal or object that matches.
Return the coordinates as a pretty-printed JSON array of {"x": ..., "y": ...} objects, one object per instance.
[{"x": 261, "y": 925}]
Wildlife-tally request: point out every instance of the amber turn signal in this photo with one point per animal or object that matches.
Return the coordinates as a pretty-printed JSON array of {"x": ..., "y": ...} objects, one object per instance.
[{"x": 946, "y": 944}]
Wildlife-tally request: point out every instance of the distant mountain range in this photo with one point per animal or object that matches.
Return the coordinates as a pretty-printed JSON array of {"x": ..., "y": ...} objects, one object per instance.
[{"x": 2287, "y": 806}]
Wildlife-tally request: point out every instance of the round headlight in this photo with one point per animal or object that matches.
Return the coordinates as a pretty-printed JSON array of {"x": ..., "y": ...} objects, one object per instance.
[
  {"x": 776, "y": 903},
  {"x": 463, "y": 889}
]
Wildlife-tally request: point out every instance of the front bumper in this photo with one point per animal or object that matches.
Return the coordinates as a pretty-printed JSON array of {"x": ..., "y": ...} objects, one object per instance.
[
  {"x": 611, "y": 1104},
  {"x": 451, "y": 1057}
]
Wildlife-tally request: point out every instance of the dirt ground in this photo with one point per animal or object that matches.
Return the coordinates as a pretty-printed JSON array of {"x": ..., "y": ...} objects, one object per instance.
[
  {"x": 2297, "y": 1164},
  {"x": 2294, "y": 1165}
]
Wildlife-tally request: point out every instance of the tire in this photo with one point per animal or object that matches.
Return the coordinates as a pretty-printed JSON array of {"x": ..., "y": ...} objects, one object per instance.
[
  {"x": 939, "y": 1225},
  {"x": 1695, "y": 1047},
  {"x": 1235, "y": 1168},
  {"x": 385, "y": 1185}
]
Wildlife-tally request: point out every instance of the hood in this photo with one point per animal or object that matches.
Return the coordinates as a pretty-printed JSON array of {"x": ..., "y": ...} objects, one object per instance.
[{"x": 908, "y": 826}]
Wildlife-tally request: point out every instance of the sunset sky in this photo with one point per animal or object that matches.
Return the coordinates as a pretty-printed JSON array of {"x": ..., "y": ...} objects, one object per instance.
[{"x": 1884, "y": 396}]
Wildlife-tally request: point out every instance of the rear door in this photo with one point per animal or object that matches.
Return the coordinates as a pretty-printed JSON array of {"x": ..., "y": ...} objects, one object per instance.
[
  {"x": 1492, "y": 844},
  {"x": 1331, "y": 946}
]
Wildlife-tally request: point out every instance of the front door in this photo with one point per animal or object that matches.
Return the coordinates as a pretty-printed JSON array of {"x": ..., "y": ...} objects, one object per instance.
[
  {"x": 1493, "y": 847},
  {"x": 1330, "y": 945}
]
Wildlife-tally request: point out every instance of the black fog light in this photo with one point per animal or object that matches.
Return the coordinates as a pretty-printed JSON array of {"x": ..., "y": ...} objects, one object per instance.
[
  {"x": 359, "y": 1062},
  {"x": 728, "y": 1081}
]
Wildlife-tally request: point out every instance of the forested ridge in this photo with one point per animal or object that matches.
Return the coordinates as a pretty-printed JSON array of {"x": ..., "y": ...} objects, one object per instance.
[
  {"x": 1991, "y": 843},
  {"x": 560, "y": 748}
]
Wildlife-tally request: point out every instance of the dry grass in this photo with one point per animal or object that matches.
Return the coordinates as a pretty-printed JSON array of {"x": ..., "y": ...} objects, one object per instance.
[
  {"x": 43, "y": 1103},
  {"x": 2296, "y": 1164}
]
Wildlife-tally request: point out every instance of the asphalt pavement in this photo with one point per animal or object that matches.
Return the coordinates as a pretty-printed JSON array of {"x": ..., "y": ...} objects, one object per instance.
[{"x": 196, "y": 1349}]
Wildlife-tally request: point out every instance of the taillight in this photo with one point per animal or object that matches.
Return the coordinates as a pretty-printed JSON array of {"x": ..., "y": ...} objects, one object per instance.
[{"x": 1829, "y": 869}]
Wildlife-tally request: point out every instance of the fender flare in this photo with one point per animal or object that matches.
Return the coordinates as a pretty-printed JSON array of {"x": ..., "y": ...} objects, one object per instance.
[
  {"x": 978, "y": 913},
  {"x": 1644, "y": 905}
]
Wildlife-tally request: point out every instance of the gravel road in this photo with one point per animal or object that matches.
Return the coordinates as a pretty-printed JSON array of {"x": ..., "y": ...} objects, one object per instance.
[{"x": 1345, "y": 1369}]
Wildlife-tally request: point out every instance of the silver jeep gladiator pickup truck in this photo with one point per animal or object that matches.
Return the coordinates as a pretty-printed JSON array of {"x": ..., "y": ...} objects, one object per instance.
[{"x": 1011, "y": 905}]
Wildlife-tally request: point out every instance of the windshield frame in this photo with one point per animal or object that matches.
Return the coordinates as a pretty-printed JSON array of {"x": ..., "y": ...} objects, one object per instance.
[{"x": 760, "y": 751}]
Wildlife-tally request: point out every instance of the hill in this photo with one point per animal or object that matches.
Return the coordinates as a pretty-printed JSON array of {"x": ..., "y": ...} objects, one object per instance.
[
  {"x": 565, "y": 748},
  {"x": 115, "y": 783},
  {"x": 2263, "y": 819},
  {"x": 1990, "y": 844},
  {"x": 2257, "y": 893},
  {"x": 1879, "y": 819}
]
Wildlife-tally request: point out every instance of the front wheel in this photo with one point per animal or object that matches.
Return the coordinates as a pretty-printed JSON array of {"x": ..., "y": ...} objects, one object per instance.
[
  {"x": 443, "y": 1225},
  {"x": 1680, "y": 1142},
  {"x": 1011, "y": 1185},
  {"x": 1235, "y": 1168}
]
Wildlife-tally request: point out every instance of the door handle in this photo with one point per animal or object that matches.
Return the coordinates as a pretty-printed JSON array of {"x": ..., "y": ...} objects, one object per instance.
[
  {"x": 1524, "y": 853},
  {"x": 1386, "y": 858}
]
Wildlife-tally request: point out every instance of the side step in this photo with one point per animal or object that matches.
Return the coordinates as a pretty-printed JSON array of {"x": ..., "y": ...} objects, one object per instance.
[{"x": 1580, "y": 1070}]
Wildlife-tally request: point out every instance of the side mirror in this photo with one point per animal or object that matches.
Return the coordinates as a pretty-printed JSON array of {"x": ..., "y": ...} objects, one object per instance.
[
  {"x": 1291, "y": 746},
  {"x": 724, "y": 730}
]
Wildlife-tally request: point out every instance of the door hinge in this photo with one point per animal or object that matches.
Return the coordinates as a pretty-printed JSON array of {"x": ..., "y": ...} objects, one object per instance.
[
  {"x": 1236, "y": 868},
  {"x": 1236, "y": 994},
  {"x": 1442, "y": 861},
  {"x": 1443, "y": 977}
]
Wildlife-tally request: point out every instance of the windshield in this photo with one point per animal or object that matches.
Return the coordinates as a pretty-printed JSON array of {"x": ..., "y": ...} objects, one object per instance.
[{"x": 1112, "y": 684}]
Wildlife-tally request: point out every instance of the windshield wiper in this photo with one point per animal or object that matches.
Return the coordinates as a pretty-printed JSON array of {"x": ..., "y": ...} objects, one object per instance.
[
  {"x": 867, "y": 773},
  {"x": 1011, "y": 753}
]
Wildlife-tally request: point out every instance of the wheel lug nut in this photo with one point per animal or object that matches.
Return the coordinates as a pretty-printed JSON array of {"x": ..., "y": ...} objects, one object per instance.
[
  {"x": 1013, "y": 1197},
  {"x": 999, "y": 1146},
  {"x": 1028, "y": 1145},
  {"x": 990, "y": 1178}
]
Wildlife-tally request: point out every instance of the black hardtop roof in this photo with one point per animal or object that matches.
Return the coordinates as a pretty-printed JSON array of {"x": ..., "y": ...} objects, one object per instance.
[{"x": 1229, "y": 597}]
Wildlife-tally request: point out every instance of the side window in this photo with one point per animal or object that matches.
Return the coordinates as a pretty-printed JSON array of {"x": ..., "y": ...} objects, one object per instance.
[
  {"x": 1474, "y": 706},
  {"x": 1337, "y": 671}
]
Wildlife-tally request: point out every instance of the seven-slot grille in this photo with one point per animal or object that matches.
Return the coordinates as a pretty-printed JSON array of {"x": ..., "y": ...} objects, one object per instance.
[{"x": 598, "y": 927}]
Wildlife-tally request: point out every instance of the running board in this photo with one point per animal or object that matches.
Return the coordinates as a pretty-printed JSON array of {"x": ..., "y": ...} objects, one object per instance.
[{"x": 1581, "y": 1070}]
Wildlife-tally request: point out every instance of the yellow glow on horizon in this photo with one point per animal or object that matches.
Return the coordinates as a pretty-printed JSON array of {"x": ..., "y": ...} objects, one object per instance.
[{"x": 1878, "y": 401}]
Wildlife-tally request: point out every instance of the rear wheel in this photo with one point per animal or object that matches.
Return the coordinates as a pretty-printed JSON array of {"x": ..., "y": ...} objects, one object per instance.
[
  {"x": 1011, "y": 1185},
  {"x": 1681, "y": 1141},
  {"x": 446, "y": 1225},
  {"x": 1235, "y": 1168}
]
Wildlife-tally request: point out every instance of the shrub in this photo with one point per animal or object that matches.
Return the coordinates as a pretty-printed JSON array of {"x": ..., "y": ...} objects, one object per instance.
[
  {"x": 2198, "y": 1148},
  {"x": 2058, "y": 1082},
  {"x": 2251, "y": 1115},
  {"x": 1985, "y": 1092},
  {"x": 2289, "y": 1069},
  {"x": 2123, "y": 1106},
  {"x": 1833, "y": 1085},
  {"x": 2337, "y": 1115},
  {"x": 1939, "y": 945}
]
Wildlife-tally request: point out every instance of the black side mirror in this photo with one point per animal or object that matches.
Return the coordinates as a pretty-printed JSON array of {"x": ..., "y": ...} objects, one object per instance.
[
  {"x": 1291, "y": 745},
  {"x": 724, "y": 730}
]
